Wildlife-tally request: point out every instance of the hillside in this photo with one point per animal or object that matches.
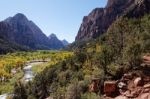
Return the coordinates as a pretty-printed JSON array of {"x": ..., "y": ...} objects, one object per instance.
[
  {"x": 6, "y": 38},
  {"x": 27, "y": 33},
  {"x": 113, "y": 65},
  {"x": 99, "y": 20},
  {"x": 99, "y": 62},
  {"x": 19, "y": 33},
  {"x": 53, "y": 40}
]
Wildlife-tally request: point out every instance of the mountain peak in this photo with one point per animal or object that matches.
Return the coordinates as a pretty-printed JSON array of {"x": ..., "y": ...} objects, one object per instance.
[
  {"x": 52, "y": 36},
  {"x": 18, "y": 17},
  {"x": 57, "y": 44},
  {"x": 65, "y": 42}
]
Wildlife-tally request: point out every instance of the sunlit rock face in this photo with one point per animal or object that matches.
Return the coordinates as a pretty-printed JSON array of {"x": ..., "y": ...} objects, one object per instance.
[{"x": 99, "y": 20}]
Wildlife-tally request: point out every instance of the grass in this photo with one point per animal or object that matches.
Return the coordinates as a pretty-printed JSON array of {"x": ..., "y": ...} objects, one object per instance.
[
  {"x": 7, "y": 87},
  {"x": 36, "y": 68},
  {"x": 14, "y": 60}
]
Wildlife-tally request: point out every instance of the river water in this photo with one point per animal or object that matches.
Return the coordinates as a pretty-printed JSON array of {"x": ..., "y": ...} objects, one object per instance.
[
  {"x": 28, "y": 75},
  {"x": 4, "y": 96}
]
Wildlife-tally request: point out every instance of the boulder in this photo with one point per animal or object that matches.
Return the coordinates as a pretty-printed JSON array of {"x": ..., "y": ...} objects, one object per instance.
[
  {"x": 121, "y": 97},
  {"x": 122, "y": 85},
  {"x": 147, "y": 85},
  {"x": 146, "y": 90},
  {"x": 144, "y": 96},
  {"x": 109, "y": 87},
  {"x": 128, "y": 76},
  {"x": 137, "y": 81}
]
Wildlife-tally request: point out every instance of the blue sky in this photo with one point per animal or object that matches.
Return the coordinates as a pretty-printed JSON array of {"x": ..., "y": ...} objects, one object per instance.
[{"x": 62, "y": 17}]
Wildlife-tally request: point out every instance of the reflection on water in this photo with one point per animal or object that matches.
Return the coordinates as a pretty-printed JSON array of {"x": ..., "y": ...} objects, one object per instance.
[
  {"x": 28, "y": 73},
  {"x": 4, "y": 96}
]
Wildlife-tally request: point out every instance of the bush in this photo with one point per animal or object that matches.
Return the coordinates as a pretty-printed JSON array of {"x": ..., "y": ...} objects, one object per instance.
[{"x": 134, "y": 55}]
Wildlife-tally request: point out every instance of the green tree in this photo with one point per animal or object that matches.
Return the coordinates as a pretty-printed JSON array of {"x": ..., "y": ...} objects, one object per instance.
[
  {"x": 134, "y": 55},
  {"x": 20, "y": 91},
  {"x": 105, "y": 58}
]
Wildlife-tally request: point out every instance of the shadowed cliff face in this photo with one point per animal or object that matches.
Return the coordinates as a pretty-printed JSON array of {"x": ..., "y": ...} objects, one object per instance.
[
  {"x": 139, "y": 9},
  {"x": 99, "y": 20},
  {"x": 57, "y": 44},
  {"x": 7, "y": 38},
  {"x": 5, "y": 29},
  {"x": 27, "y": 33},
  {"x": 19, "y": 30}
]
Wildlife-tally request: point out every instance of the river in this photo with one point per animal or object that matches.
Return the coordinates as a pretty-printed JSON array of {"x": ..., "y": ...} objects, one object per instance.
[
  {"x": 4, "y": 96},
  {"x": 28, "y": 75}
]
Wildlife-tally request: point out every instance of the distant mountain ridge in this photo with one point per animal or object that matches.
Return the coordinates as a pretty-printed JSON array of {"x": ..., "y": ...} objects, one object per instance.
[
  {"x": 65, "y": 42},
  {"x": 27, "y": 33},
  {"x": 57, "y": 44},
  {"x": 99, "y": 20},
  {"x": 23, "y": 32},
  {"x": 6, "y": 38}
]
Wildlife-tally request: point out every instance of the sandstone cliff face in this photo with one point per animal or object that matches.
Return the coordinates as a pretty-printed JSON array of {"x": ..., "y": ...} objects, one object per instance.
[{"x": 99, "y": 20}]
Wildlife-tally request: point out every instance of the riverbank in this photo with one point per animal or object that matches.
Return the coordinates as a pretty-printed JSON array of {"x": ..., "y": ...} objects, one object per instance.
[
  {"x": 28, "y": 70},
  {"x": 14, "y": 63},
  {"x": 24, "y": 75},
  {"x": 7, "y": 87},
  {"x": 4, "y": 96}
]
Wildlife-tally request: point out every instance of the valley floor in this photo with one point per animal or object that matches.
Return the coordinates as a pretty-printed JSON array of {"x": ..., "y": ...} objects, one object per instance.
[{"x": 14, "y": 67}]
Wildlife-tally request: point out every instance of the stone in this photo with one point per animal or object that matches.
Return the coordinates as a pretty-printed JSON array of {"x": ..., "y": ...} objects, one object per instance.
[
  {"x": 127, "y": 93},
  {"x": 122, "y": 85},
  {"x": 121, "y": 97},
  {"x": 134, "y": 94},
  {"x": 137, "y": 81},
  {"x": 146, "y": 79},
  {"x": 146, "y": 90},
  {"x": 147, "y": 85},
  {"x": 144, "y": 96},
  {"x": 128, "y": 76},
  {"x": 109, "y": 87}
]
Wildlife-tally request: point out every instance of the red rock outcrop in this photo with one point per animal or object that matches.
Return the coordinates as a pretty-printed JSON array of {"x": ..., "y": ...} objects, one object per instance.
[{"x": 131, "y": 86}]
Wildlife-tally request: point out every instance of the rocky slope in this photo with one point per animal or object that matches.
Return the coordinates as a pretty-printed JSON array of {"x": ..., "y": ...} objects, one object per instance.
[
  {"x": 133, "y": 85},
  {"x": 99, "y": 20}
]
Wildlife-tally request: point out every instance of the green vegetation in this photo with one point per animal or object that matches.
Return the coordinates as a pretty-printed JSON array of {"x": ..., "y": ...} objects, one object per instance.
[
  {"x": 12, "y": 64},
  {"x": 108, "y": 57},
  {"x": 8, "y": 86}
]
